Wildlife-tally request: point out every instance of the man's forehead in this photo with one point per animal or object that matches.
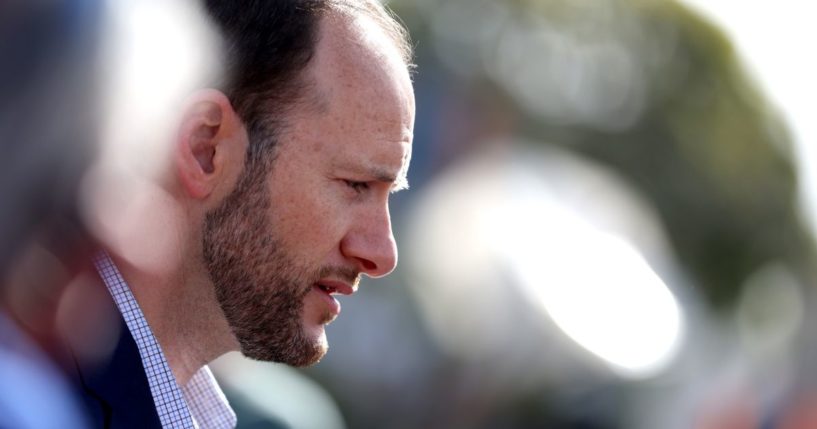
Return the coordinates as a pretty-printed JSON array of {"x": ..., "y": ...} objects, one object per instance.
[
  {"x": 361, "y": 104},
  {"x": 358, "y": 44},
  {"x": 357, "y": 58}
]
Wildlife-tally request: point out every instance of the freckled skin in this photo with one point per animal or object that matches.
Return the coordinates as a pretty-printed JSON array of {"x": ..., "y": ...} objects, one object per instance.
[
  {"x": 369, "y": 118},
  {"x": 312, "y": 221}
]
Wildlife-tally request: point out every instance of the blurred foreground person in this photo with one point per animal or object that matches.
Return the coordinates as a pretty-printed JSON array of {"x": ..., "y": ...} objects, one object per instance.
[
  {"x": 47, "y": 136},
  {"x": 274, "y": 198}
]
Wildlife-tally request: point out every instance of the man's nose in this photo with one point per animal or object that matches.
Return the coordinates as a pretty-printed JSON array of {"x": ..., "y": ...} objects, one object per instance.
[{"x": 370, "y": 243}]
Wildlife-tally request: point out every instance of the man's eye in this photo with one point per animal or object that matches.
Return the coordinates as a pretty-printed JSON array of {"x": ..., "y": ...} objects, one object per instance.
[{"x": 357, "y": 186}]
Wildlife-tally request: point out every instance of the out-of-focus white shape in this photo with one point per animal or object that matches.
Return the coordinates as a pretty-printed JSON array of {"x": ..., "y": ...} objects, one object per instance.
[
  {"x": 154, "y": 53},
  {"x": 770, "y": 310},
  {"x": 597, "y": 288},
  {"x": 548, "y": 228},
  {"x": 776, "y": 39},
  {"x": 279, "y": 392}
]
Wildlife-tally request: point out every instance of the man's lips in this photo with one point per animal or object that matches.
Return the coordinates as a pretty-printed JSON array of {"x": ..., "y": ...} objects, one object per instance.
[
  {"x": 336, "y": 286},
  {"x": 326, "y": 288}
]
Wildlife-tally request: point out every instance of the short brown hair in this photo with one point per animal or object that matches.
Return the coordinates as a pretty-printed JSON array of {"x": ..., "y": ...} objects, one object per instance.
[{"x": 268, "y": 44}]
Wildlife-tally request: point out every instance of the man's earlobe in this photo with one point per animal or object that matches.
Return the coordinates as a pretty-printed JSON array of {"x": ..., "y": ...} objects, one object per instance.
[{"x": 204, "y": 148}]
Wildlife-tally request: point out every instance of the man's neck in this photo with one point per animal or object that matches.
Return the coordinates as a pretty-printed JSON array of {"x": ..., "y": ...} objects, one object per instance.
[{"x": 180, "y": 306}]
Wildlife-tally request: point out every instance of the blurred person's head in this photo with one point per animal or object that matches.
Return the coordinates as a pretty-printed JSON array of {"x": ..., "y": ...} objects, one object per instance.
[
  {"x": 284, "y": 173},
  {"x": 48, "y": 138}
]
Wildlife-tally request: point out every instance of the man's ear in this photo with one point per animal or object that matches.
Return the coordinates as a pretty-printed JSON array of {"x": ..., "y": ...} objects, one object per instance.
[{"x": 211, "y": 144}]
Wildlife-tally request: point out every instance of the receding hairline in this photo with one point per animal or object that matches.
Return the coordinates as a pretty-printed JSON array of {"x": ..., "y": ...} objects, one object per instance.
[
  {"x": 386, "y": 19},
  {"x": 311, "y": 98},
  {"x": 268, "y": 103}
]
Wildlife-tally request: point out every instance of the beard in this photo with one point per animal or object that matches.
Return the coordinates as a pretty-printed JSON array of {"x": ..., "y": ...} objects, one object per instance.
[{"x": 258, "y": 284}]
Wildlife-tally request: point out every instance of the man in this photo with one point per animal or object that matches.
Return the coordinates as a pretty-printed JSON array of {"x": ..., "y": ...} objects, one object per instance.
[{"x": 275, "y": 200}]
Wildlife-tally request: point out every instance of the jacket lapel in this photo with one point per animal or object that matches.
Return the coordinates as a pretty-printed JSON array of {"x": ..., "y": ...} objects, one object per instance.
[{"x": 116, "y": 388}]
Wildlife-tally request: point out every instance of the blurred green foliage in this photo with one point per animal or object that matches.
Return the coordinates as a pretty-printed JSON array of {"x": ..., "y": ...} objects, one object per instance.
[{"x": 706, "y": 149}]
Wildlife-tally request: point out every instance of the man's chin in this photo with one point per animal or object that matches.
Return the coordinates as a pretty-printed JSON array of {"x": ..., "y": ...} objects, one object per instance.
[
  {"x": 315, "y": 358},
  {"x": 311, "y": 355},
  {"x": 302, "y": 350},
  {"x": 317, "y": 348}
]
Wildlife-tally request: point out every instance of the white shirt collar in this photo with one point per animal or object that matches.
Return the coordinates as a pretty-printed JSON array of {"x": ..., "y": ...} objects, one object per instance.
[{"x": 200, "y": 403}]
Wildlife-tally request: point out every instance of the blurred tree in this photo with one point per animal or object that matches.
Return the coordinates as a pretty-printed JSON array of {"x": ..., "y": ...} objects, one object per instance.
[
  {"x": 703, "y": 146},
  {"x": 714, "y": 159}
]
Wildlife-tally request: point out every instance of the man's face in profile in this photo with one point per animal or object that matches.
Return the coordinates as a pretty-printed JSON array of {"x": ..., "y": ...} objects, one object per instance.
[{"x": 286, "y": 240}]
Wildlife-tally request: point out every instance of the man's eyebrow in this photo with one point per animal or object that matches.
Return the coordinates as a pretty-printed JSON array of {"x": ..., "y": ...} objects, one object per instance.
[{"x": 398, "y": 182}]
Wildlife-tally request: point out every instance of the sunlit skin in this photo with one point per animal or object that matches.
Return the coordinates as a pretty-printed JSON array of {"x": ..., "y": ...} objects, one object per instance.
[
  {"x": 337, "y": 166},
  {"x": 338, "y": 159}
]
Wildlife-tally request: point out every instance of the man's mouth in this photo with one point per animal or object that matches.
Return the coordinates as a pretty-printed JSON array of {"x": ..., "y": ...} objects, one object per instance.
[
  {"x": 328, "y": 289},
  {"x": 332, "y": 286},
  {"x": 332, "y": 306}
]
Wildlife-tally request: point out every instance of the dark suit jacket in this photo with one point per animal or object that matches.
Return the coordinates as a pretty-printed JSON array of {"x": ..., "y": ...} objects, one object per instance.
[{"x": 115, "y": 389}]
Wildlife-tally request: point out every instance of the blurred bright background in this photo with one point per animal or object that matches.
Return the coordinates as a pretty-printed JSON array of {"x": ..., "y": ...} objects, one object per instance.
[{"x": 611, "y": 221}]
